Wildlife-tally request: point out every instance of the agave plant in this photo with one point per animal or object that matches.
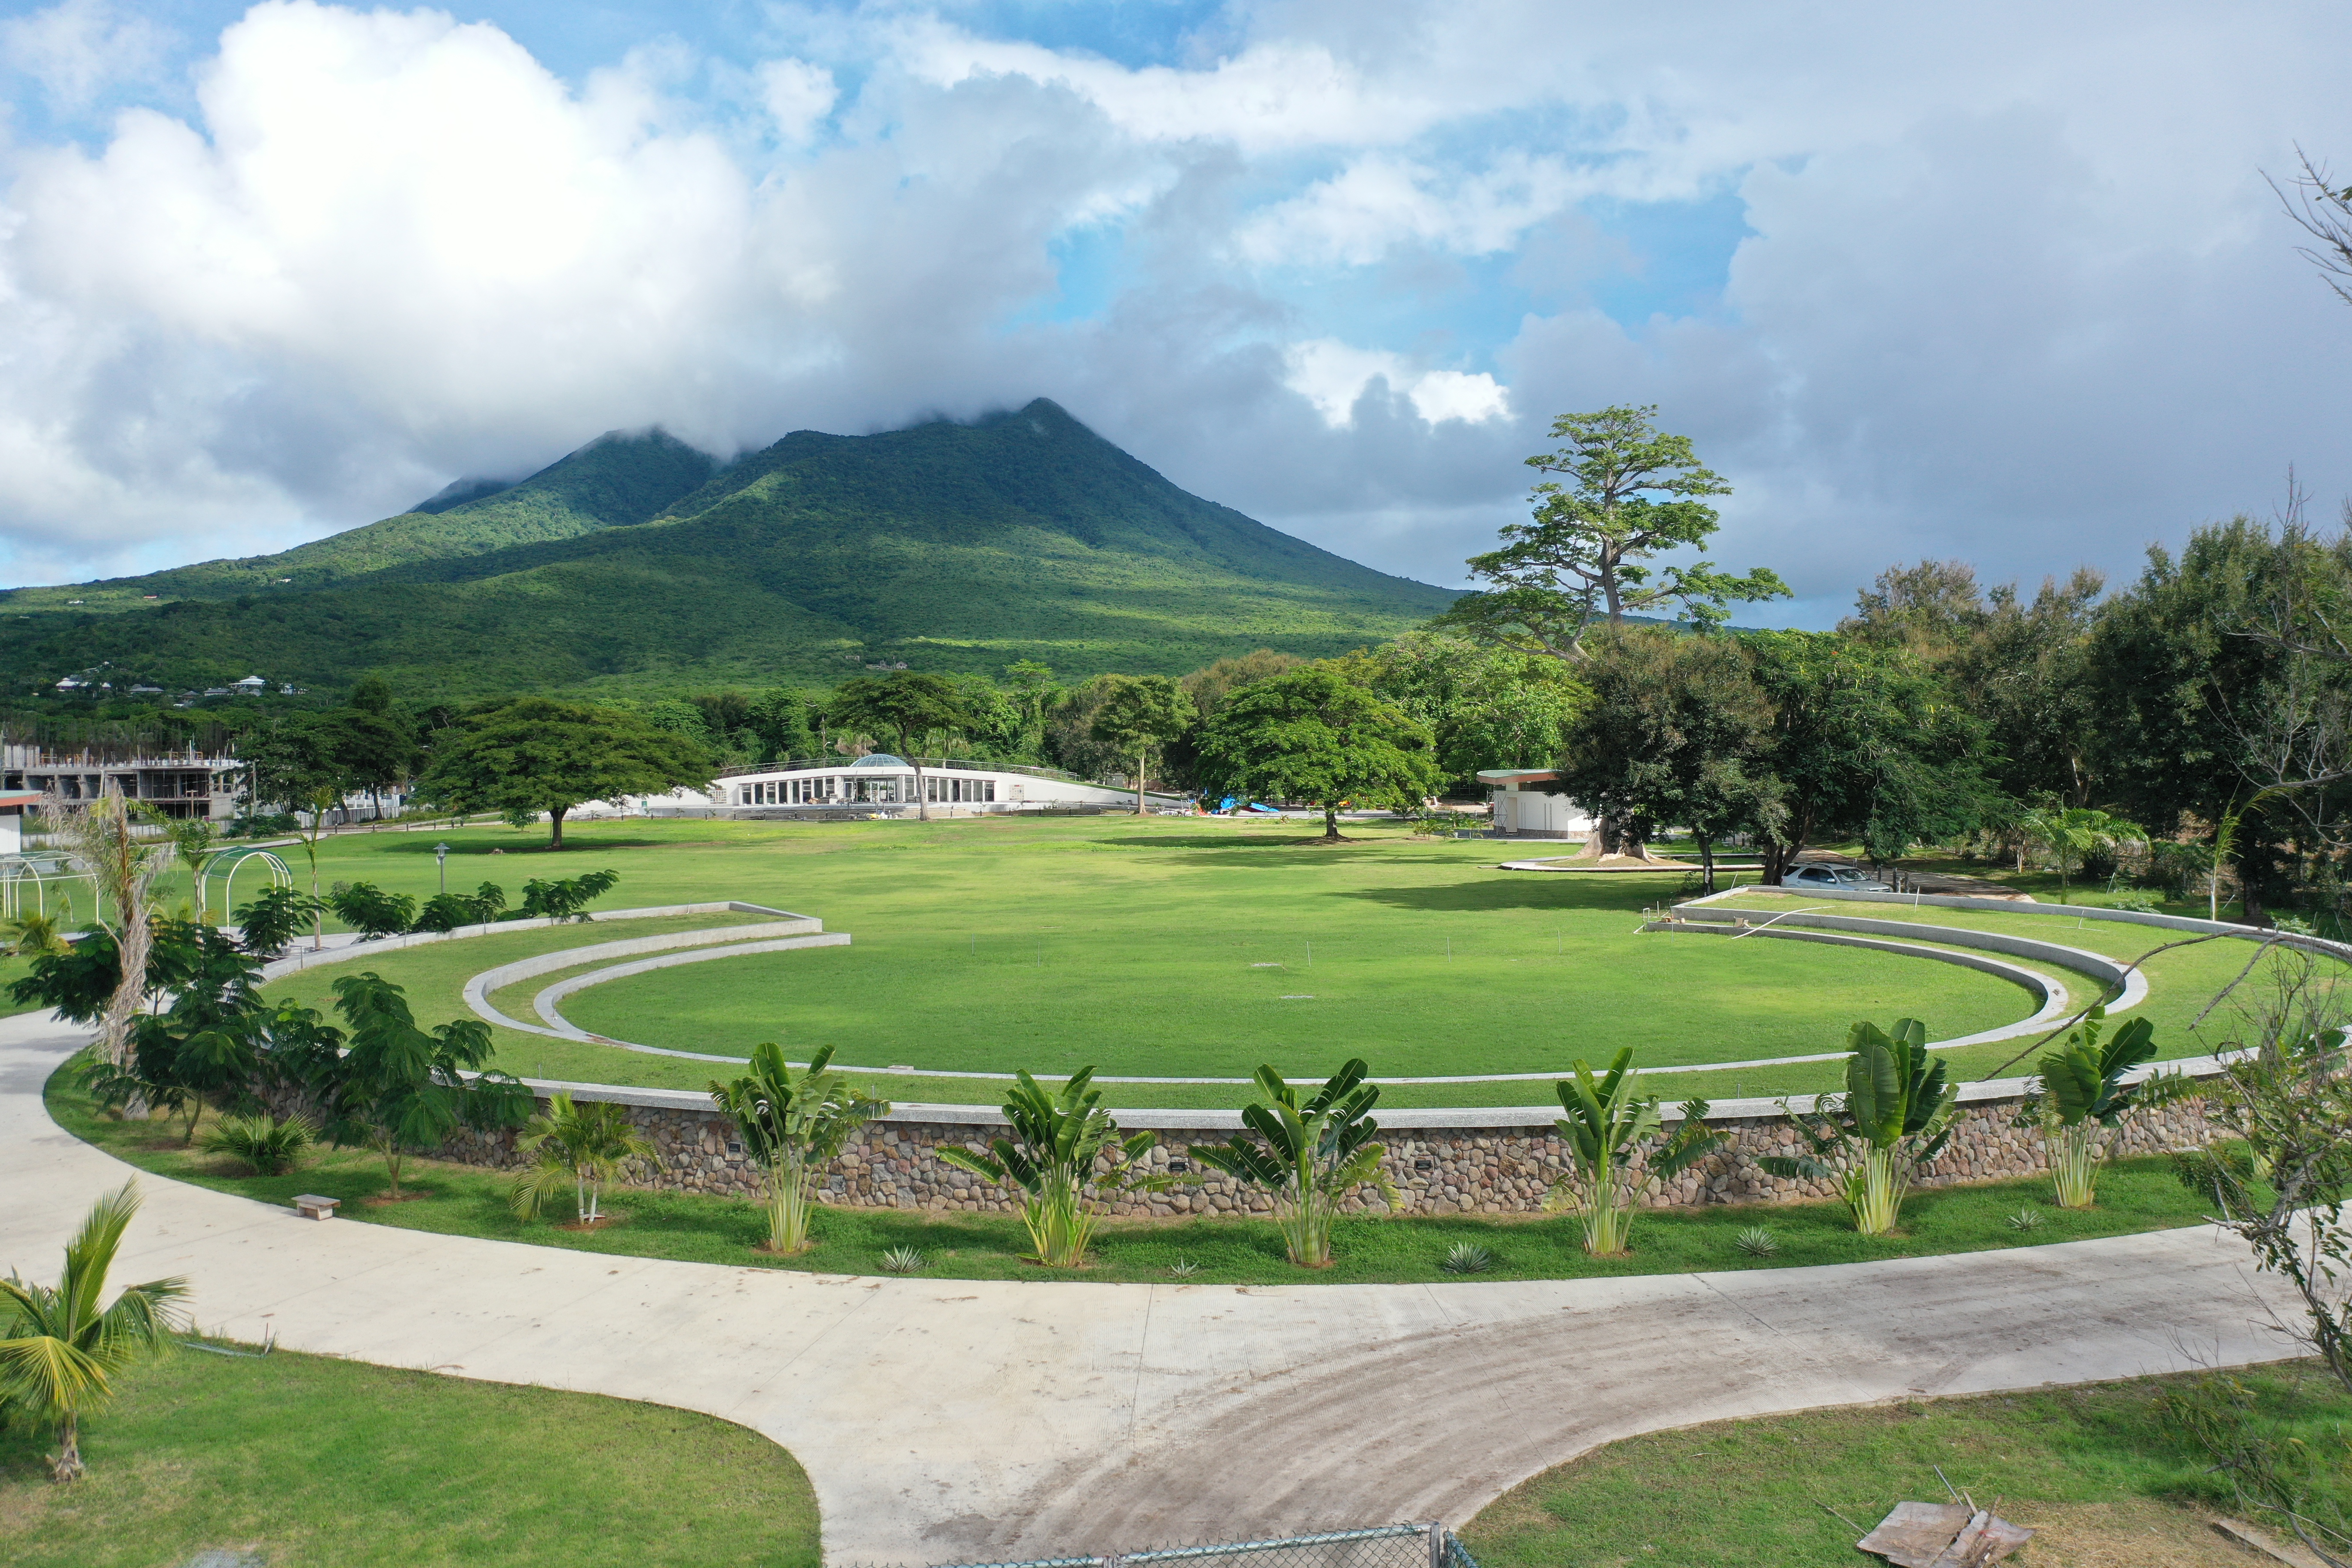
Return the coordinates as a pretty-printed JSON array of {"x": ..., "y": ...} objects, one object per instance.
[
  {"x": 1313, "y": 1156},
  {"x": 1896, "y": 1114},
  {"x": 271, "y": 1145},
  {"x": 902, "y": 1260},
  {"x": 1605, "y": 1126},
  {"x": 2082, "y": 1100},
  {"x": 1756, "y": 1241},
  {"x": 1466, "y": 1257},
  {"x": 579, "y": 1146},
  {"x": 1057, "y": 1141},
  {"x": 60, "y": 1354},
  {"x": 791, "y": 1123}
]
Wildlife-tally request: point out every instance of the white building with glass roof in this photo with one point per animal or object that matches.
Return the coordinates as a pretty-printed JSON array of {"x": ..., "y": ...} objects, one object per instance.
[{"x": 884, "y": 785}]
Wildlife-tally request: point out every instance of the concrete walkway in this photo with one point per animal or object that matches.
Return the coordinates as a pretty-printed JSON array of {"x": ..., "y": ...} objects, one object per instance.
[{"x": 947, "y": 1420}]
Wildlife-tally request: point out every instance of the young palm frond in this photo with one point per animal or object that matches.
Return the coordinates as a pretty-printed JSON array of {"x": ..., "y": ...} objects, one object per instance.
[
  {"x": 59, "y": 1353},
  {"x": 1605, "y": 1126},
  {"x": 579, "y": 1146},
  {"x": 1310, "y": 1155},
  {"x": 793, "y": 1121},
  {"x": 1057, "y": 1141},
  {"x": 1896, "y": 1116},
  {"x": 269, "y": 1145},
  {"x": 2082, "y": 1100}
]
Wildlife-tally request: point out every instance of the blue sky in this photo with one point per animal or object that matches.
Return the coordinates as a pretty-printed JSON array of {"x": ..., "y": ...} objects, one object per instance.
[{"x": 2006, "y": 285}]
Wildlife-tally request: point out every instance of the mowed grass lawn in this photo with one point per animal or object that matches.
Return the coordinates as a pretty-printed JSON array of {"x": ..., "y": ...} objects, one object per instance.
[
  {"x": 2093, "y": 1468},
  {"x": 311, "y": 1462},
  {"x": 463, "y": 1200},
  {"x": 1162, "y": 947}
]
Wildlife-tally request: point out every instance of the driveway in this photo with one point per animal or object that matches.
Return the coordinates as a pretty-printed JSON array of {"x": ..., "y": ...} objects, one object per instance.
[{"x": 951, "y": 1421}]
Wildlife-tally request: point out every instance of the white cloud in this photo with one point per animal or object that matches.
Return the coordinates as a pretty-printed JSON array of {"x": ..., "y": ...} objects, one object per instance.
[
  {"x": 79, "y": 47},
  {"x": 798, "y": 96},
  {"x": 1334, "y": 378}
]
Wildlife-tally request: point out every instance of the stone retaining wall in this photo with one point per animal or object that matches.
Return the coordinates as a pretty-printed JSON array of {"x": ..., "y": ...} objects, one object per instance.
[{"x": 1487, "y": 1170}]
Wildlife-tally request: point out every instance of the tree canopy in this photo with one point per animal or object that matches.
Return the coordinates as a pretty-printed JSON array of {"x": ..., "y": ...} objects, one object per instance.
[
  {"x": 536, "y": 754},
  {"x": 1624, "y": 493},
  {"x": 1313, "y": 735}
]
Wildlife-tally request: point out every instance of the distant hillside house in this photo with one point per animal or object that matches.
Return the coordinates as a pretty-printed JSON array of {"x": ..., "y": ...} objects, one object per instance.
[
  {"x": 1525, "y": 808},
  {"x": 884, "y": 785}
]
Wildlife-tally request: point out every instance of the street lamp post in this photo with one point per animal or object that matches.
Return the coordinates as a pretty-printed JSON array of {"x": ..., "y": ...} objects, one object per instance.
[{"x": 441, "y": 858}]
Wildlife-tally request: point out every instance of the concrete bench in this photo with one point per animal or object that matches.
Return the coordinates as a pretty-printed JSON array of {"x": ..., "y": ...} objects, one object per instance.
[{"x": 310, "y": 1206}]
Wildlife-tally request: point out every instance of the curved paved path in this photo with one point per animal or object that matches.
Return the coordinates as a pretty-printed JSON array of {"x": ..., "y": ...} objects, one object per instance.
[{"x": 949, "y": 1420}]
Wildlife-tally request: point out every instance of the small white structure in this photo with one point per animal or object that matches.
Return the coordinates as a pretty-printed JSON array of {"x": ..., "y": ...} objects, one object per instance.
[
  {"x": 884, "y": 785},
  {"x": 1525, "y": 808}
]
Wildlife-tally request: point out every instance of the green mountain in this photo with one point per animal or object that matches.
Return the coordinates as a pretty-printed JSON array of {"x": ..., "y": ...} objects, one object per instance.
[{"x": 638, "y": 563}]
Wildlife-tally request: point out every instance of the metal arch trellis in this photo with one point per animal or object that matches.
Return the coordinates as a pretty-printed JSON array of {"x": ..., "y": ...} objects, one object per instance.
[
  {"x": 16, "y": 871},
  {"x": 280, "y": 876}
]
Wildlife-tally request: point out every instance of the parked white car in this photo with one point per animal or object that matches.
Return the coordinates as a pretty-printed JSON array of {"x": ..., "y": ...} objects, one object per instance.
[{"x": 1843, "y": 879}]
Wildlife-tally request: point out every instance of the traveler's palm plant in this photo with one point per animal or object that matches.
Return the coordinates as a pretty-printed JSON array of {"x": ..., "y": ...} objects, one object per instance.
[
  {"x": 61, "y": 1353},
  {"x": 579, "y": 1146},
  {"x": 1313, "y": 1156},
  {"x": 1057, "y": 1141},
  {"x": 791, "y": 1123},
  {"x": 1605, "y": 1126},
  {"x": 1896, "y": 1114},
  {"x": 2083, "y": 1099}
]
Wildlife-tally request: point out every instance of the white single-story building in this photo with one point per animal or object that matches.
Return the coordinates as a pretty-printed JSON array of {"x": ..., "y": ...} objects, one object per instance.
[
  {"x": 884, "y": 785},
  {"x": 1524, "y": 808}
]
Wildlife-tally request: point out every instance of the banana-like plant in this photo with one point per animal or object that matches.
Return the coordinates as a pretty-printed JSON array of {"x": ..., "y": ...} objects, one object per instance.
[
  {"x": 579, "y": 1146},
  {"x": 1058, "y": 1138},
  {"x": 1606, "y": 1124},
  {"x": 792, "y": 1123},
  {"x": 1896, "y": 1114},
  {"x": 2082, "y": 1100},
  {"x": 1313, "y": 1156}
]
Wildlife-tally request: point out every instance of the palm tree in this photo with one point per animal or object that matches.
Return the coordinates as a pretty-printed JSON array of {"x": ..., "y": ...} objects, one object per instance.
[
  {"x": 1603, "y": 1128},
  {"x": 1056, "y": 1139},
  {"x": 1313, "y": 1156},
  {"x": 583, "y": 1145},
  {"x": 58, "y": 1352},
  {"x": 792, "y": 1124},
  {"x": 2071, "y": 831}
]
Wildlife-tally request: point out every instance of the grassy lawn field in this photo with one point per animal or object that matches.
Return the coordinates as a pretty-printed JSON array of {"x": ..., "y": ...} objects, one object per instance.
[
  {"x": 2135, "y": 1196},
  {"x": 319, "y": 1463},
  {"x": 1162, "y": 947},
  {"x": 2092, "y": 1468}
]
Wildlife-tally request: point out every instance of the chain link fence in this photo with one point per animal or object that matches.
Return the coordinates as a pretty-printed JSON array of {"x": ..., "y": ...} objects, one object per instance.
[{"x": 1381, "y": 1546}]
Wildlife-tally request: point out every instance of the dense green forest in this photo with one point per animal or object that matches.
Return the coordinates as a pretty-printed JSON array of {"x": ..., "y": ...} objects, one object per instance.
[{"x": 637, "y": 563}]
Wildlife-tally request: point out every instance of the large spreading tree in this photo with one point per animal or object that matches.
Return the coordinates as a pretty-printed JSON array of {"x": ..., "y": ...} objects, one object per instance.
[
  {"x": 536, "y": 754},
  {"x": 1673, "y": 733},
  {"x": 1140, "y": 715},
  {"x": 905, "y": 703},
  {"x": 1313, "y": 735}
]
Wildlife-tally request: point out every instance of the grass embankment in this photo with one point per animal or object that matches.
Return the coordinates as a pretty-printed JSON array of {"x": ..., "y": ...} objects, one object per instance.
[
  {"x": 311, "y": 1462},
  {"x": 2182, "y": 983},
  {"x": 2135, "y": 1196},
  {"x": 1163, "y": 947},
  {"x": 2092, "y": 1468}
]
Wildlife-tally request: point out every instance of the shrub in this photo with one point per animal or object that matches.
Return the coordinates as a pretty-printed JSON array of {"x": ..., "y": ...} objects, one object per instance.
[
  {"x": 447, "y": 911},
  {"x": 566, "y": 897},
  {"x": 372, "y": 911},
  {"x": 273, "y": 918},
  {"x": 269, "y": 1145}
]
